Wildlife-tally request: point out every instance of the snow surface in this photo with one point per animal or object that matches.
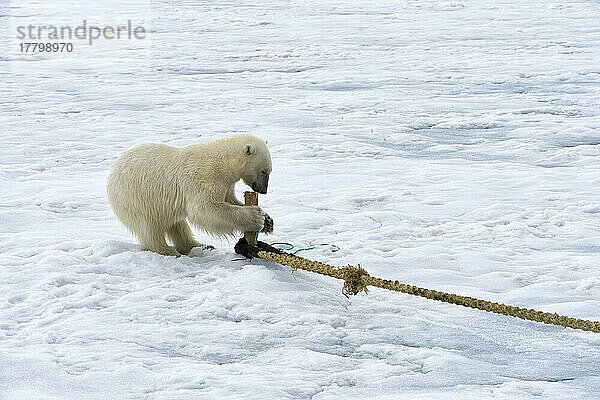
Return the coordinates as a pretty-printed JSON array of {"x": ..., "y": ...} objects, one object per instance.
[{"x": 453, "y": 145}]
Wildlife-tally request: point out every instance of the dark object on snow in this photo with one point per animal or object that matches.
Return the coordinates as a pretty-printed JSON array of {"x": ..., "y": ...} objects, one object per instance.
[{"x": 243, "y": 248}]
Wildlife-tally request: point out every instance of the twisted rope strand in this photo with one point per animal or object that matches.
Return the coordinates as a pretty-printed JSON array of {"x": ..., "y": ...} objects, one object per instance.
[{"x": 356, "y": 280}]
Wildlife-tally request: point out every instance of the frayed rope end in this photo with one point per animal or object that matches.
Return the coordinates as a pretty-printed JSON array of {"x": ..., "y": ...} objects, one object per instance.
[{"x": 354, "y": 281}]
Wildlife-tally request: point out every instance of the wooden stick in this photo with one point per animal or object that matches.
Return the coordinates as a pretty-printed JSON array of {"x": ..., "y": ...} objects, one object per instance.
[{"x": 250, "y": 199}]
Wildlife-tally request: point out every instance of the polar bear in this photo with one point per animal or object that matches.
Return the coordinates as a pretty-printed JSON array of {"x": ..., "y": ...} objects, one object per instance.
[{"x": 154, "y": 188}]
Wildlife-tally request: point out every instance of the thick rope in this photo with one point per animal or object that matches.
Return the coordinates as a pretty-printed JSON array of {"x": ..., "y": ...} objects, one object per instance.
[{"x": 356, "y": 280}]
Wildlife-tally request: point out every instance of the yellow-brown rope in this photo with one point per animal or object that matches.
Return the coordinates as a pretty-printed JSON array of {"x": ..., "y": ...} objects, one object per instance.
[{"x": 356, "y": 280}]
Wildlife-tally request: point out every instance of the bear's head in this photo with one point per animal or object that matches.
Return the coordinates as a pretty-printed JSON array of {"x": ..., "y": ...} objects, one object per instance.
[{"x": 257, "y": 167}]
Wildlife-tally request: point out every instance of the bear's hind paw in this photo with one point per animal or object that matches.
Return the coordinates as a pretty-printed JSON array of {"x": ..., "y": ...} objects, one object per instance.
[
  {"x": 201, "y": 246},
  {"x": 165, "y": 251}
]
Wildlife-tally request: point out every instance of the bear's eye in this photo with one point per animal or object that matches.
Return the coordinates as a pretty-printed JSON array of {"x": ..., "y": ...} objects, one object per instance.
[{"x": 264, "y": 172}]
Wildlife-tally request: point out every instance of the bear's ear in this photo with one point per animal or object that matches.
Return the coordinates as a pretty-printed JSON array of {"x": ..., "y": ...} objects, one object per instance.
[{"x": 250, "y": 149}]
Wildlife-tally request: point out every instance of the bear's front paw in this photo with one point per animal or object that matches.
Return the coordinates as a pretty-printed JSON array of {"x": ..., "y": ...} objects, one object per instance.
[
  {"x": 268, "y": 226},
  {"x": 256, "y": 219}
]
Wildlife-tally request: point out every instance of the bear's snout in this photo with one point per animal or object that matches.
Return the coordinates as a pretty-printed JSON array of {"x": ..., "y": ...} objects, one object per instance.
[{"x": 259, "y": 188}]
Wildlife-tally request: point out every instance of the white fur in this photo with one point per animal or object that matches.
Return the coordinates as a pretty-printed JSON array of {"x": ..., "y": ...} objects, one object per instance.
[{"x": 154, "y": 188}]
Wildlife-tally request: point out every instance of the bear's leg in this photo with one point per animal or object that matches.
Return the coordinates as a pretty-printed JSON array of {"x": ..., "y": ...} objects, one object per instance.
[
  {"x": 231, "y": 198},
  {"x": 183, "y": 239},
  {"x": 226, "y": 219},
  {"x": 154, "y": 240}
]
